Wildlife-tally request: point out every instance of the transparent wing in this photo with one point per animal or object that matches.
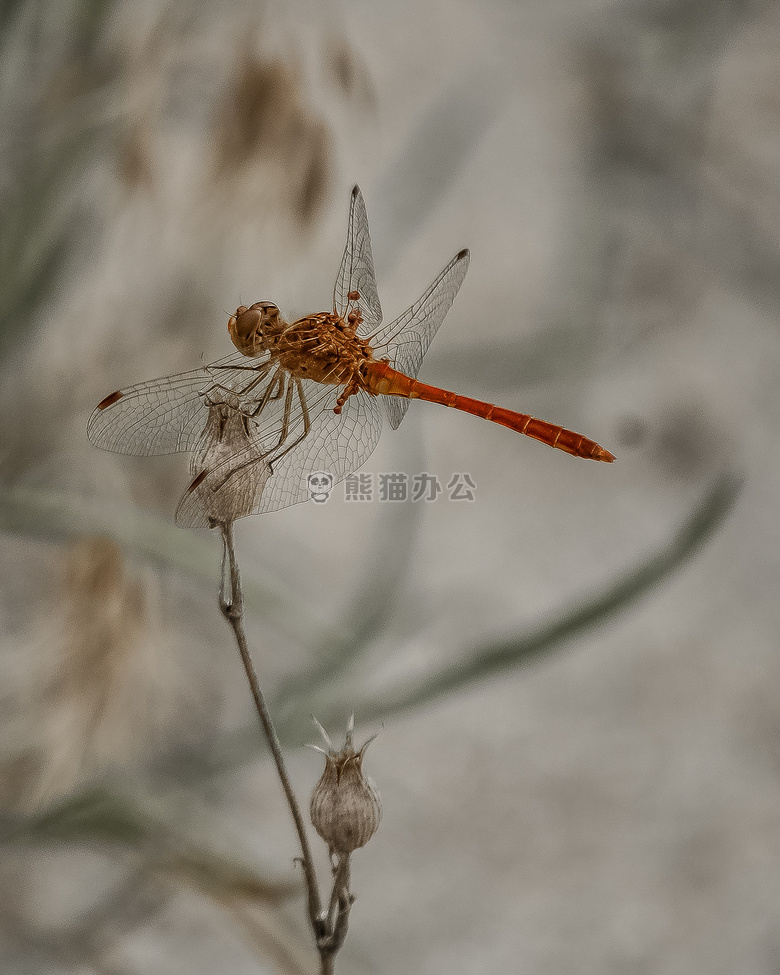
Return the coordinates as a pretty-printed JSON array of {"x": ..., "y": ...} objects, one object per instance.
[
  {"x": 165, "y": 415},
  {"x": 337, "y": 444},
  {"x": 357, "y": 270},
  {"x": 230, "y": 446},
  {"x": 268, "y": 471},
  {"x": 206, "y": 503},
  {"x": 405, "y": 341}
]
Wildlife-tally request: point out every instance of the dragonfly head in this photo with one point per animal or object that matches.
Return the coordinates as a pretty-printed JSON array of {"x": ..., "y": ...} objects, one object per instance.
[{"x": 250, "y": 328}]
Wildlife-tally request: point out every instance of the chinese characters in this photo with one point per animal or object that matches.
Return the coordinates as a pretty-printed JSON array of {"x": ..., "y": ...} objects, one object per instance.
[{"x": 396, "y": 486}]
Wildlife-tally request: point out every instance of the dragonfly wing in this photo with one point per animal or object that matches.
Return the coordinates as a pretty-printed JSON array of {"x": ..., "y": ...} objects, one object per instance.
[
  {"x": 231, "y": 489},
  {"x": 204, "y": 504},
  {"x": 405, "y": 341},
  {"x": 165, "y": 415},
  {"x": 357, "y": 270},
  {"x": 268, "y": 472},
  {"x": 336, "y": 444}
]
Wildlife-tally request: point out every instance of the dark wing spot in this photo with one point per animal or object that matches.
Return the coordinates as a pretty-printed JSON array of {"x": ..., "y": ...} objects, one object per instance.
[
  {"x": 110, "y": 400},
  {"x": 198, "y": 481}
]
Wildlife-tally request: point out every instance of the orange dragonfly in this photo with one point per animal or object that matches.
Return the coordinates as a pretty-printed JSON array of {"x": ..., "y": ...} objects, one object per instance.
[{"x": 300, "y": 397}]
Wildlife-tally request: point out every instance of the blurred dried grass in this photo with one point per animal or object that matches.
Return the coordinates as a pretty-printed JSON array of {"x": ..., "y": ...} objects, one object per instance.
[
  {"x": 106, "y": 696},
  {"x": 263, "y": 124}
]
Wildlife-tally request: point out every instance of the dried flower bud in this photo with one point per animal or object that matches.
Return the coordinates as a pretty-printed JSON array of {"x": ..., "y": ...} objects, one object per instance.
[{"x": 345, "y": 804}]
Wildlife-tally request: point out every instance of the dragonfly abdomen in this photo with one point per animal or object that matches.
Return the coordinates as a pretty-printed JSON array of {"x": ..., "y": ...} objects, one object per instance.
[{"x": 382, "y": 379}]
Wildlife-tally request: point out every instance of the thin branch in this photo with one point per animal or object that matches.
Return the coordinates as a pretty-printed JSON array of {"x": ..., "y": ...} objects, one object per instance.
[
  {"x": 341, "y": 901},
  {"x": 330, "y": 930},
  {"x": 231, "y": 602}
]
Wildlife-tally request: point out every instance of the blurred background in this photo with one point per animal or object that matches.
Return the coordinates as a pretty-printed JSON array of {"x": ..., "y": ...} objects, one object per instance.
[{"x": 577, "y": 671}]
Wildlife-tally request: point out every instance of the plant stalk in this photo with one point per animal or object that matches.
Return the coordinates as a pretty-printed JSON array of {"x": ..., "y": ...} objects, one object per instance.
[{"x": 231, "y": 602}]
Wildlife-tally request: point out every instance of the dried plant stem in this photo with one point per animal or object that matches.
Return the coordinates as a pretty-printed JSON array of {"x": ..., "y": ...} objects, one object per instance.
[
  {"x": 231, "y": 602},
  {"x": 338, "y": 915},
  {"x": 330, "y": 930}
]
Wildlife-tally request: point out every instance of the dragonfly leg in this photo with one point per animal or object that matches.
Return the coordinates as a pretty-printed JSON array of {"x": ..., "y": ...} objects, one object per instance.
[
  {"x": 277, "y": 394},
  {"x": 258, "y": 375},
  {"x": 306, "y": 420},
  {"x": 350, "y": 389},
  {"x": 256, "y": 459},
  {"x": 285, "y": 421},
  {"x": 282, "y": 436},
  {"x": 274, "y": 391}
]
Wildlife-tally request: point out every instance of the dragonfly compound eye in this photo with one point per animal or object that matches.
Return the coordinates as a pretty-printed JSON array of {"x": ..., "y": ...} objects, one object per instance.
[
  {"x": 244, "y": 329},
  {"x": 251, "y": 328}
]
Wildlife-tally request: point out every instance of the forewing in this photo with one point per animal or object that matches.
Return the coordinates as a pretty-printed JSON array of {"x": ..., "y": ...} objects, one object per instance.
[
  {"x": 243, "y": 484},
  {"x": 357, "y": 270},
  {"x": 166, "y": 415},
  {"x": 405, "y": 341}
]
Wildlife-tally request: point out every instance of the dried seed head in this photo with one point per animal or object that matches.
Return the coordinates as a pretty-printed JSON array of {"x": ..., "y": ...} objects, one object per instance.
[
  {"x": 229, "y": 467},
  {"x": 105, "y": 691},
  {"x": 345, "y": 805}
]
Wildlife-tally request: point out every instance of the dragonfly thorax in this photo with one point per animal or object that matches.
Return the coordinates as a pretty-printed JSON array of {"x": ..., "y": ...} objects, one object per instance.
[{"x": 322, "y": 347}]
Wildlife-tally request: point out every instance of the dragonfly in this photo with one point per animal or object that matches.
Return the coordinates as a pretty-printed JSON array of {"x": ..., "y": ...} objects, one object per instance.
[{"x": 301, "y": 397}]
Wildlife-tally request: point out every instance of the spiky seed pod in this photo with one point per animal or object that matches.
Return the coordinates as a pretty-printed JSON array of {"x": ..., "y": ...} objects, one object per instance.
[{"x": 345, "y": 805}]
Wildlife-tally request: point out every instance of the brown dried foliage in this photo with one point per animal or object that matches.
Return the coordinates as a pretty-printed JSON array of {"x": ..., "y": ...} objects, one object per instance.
[
  {"x": 102, "y": 694},
  {"x": 263, "y": 121}
]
